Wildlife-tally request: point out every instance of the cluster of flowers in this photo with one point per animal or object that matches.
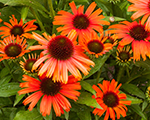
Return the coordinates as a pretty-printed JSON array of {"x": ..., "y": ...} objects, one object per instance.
[{"x": 65, "y": 54}]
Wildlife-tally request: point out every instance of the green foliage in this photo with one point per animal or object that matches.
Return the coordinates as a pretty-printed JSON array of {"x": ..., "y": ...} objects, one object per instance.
[{"x": 28, "y": 115}]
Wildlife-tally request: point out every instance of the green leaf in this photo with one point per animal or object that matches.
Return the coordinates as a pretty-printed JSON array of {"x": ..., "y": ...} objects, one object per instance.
[
  {"x": 133, "y": 89},
  {"x": 18, "y": 98},
  {"x": 29, "y": 3},
  {"x": 104, "y": 5},
  {"x": 87, "y": 87},
  {"x": 4, "y": 72},
  {"x": 7, "y": 113},
  {"x": 9, "y": 11},
  {"x": 144, "y": 104},
  {"x": 134, "y": 99},
  {"x": 115, "y": 18},
  {"x": 5, "y": 80},
  {"x": 28, "y": 115},
  {"x": 80, "y": 1},
  {"x": 9, "y": 89},
  {"x": 86, "y": 98},
  {"x": 66, "y": 115},
  {"x": 144, "y": 64},
  {"x": 85, "y": 116},
  {"x": 5, "y": 101},
  {"x": 138, "y": 110},
  {"x": 24, "y": 12},
  {"x": 98, "y": 64},
  {"x": 83, "y": 112}
]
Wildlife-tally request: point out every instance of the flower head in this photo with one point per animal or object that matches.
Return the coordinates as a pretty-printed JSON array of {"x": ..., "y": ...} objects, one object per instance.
[
  {"x": 16, "y": 28},
  {"x": 28, "y": 63},
  {"x": 124, "y": 56},
  {"x": 142, "y": 8},
  {"x": 94, "y": 44},
  {"x": 148, "y": 93},
  {"x": 61, "y": 55},
  {"x": 12, "y": 47},
  {"x": 136, "y": 34},
  {"x": 110, "y": 99},
  {"x": 52, "y": 93},
  {"x": 83, "y": 23}
]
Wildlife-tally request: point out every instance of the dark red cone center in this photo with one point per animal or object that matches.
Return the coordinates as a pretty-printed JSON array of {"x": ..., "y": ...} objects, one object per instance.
[
  {"x": 61, "y": 47},
  {"x": 81, "y": 22},
  {"x": 111, "y": 99}
]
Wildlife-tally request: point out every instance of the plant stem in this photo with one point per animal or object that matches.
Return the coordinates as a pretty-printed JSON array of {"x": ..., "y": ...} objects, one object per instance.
[
  {"x": 52, "y": 12},
  {"x": 96, "y": 117},
  {"x": 99, "y": 74},
  {"x": 61, "y": 4},
  {"x": 128, "y": 73},
  {"x": 7, "y": 66},
  {"x": 120, "y": 73}
]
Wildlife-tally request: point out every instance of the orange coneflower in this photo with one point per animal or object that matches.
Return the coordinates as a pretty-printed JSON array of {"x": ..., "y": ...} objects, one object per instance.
[
  {"x": 94, "y": 44},
  {"x": 111, "y": 38},
  {"x": 16, "y": 28},
  {"x": 52, "y": 93},
  {"x": 61, "y": 55},
  {"x": 110, "y": 99},
  {"x": 12, "y": 47},
  {"x": 142, "y": 8},
  {"x": 28, "y": 63},
  {"x": 124, "y": 55},
  {"x": 136, "y": 34},
  {"x": 83, "y": 23}
]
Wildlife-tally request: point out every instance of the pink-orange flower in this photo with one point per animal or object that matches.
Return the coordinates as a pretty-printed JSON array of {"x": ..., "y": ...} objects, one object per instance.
[
  {"x": 83, "y": 23},
  {"x": 16, "y": 28},
  {"x": 136, "y": 34},
  {"x": 142, "y": 8},
  {"x": 110, "y": 99},
  {"x": 95, "y": 45},
  {"x": 61, "y": 55},
  {"x": 52, "y": 93},
  {"x": 12, "y": 47}
]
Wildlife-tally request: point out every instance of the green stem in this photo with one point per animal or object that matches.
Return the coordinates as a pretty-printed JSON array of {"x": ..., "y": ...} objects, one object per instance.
[
  {"x": 7, "y": 66},
  {"x": 120, "y": 73},
  {"x": 37, "y": 17},
  {"x": 99, "y": 74},
  {"x": 52, "y": 12},
  {"x": 96, "y": 117},
  {"x": 128, "y": 73},
  {"x": 61, "y": 4},
  {"x": 45, "y": 4}
]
